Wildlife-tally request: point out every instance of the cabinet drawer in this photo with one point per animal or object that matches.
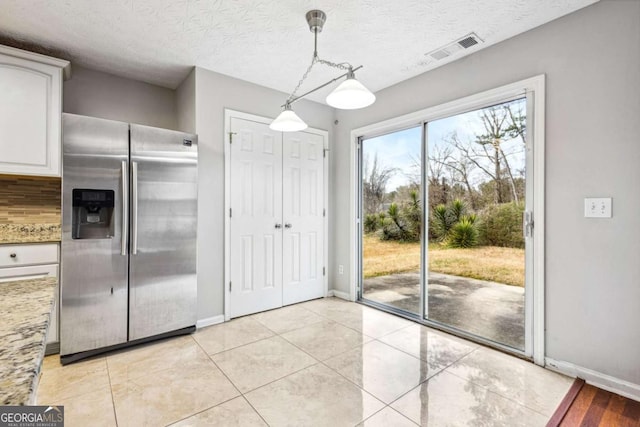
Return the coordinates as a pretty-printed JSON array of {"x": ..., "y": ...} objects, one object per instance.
[{"x": 18, "y": 255}]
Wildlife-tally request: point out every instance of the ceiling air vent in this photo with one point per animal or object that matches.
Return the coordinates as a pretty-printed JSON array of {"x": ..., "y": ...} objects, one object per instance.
[
  {"x": 452, "y": 49},
  {"x": 468, "y": 41},
  {"x": 439, "y": 54}
]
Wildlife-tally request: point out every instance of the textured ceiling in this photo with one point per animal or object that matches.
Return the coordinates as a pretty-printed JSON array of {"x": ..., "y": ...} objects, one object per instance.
[{"x": 266, "y": 42}]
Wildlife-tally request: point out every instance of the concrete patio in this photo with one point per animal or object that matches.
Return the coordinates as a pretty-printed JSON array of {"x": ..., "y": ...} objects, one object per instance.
[{"x": 491, "y": 310}]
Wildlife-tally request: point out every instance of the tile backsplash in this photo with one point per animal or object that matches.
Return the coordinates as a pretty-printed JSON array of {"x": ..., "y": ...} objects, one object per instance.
[{"x": 29, "y": 200}]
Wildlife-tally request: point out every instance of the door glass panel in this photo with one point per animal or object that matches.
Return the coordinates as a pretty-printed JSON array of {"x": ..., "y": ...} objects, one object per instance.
[
  {"x": 476, "y": 198},
  {"x": 391, "y": 209}
]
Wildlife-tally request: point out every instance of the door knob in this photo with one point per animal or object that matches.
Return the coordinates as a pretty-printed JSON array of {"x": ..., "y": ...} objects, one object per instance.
[
  {"x": 278, "y": 225},
  {"x": 287, "y": 225}
]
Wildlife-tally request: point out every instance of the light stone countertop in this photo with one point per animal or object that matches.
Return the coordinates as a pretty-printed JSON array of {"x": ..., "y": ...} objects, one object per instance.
[
  {"x": 25, "y": 308},
  {"x": 30, "y": 233}
]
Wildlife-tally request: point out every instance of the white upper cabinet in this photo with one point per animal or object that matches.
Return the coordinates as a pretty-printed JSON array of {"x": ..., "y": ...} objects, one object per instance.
[{"x": 30, "y": 112}]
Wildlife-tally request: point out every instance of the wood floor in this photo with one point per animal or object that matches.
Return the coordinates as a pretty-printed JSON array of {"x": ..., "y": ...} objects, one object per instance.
[{"x": 586, "y": 405}]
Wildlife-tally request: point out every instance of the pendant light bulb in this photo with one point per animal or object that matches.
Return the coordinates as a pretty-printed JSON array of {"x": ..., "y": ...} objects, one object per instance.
[
  {"x": 350, "y": 95},
  {"x": 288, "y": 121}
]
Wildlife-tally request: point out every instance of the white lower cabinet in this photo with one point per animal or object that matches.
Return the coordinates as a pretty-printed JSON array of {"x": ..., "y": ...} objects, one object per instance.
[{"x": 33, "y": 261}]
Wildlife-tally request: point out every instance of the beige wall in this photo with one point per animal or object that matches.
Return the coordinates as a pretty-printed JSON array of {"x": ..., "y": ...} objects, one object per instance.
[
  {"x": 591, "y": 59},
  {"x": 186, "y": 103},
  {"x": 98, "y": 94}
]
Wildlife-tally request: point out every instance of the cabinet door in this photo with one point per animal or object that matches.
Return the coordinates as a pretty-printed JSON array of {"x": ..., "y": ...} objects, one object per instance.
[{"x": 30, "y": 116}]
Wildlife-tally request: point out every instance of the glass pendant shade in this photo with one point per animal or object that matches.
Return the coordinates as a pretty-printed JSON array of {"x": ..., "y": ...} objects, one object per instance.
[
  {"x": 288, "y": 121},
  {"x": 350, "y": 95}
]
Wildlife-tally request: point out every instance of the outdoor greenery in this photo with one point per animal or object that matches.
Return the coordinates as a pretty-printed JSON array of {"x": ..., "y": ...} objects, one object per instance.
[
  {"x": 502, "y": 265},
  {"x": 475, "y": 196},
  {"x": 501, "y": 225},
  {"x": 451, "y": 225}
]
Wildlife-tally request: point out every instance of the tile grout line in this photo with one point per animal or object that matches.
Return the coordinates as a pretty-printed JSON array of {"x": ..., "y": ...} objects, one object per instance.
[
  {"x": 411, "y": 323},
  {"x": 255, "y": 410},
  {"x": 232, "y": 383},
  {"x": 422, "y": 360},
  {"x": 113, "y": 401},
  {"x": 392, "y": 409},
  {"x": 321, "y": 362},
  {"x": 499, "y": 394}
]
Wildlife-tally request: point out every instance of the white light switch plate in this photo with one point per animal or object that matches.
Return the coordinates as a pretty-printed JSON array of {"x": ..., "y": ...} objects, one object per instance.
[{"x": 597, "y": 207}]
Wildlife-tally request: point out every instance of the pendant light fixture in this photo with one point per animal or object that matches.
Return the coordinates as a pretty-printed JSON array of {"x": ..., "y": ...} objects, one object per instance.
[{"x": 349, "y": 95}]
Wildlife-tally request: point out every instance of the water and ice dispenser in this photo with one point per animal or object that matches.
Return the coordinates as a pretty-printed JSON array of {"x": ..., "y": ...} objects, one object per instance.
[{"x": 93, "y": 214}]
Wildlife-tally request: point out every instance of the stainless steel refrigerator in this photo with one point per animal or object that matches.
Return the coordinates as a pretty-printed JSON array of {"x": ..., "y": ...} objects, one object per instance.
[{"x": 128, "y": 235}]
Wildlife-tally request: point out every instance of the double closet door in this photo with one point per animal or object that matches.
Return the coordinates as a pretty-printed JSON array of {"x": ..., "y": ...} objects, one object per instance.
[{"x": 276, "y": 236}]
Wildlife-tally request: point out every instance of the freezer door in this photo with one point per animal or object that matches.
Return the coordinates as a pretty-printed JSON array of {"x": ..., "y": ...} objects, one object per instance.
[
  {"x": 93, "y": 283},
  {"x": 162, "y": 269}
]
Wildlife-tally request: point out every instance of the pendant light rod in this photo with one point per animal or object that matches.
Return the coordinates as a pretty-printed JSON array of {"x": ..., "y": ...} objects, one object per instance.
[{"x": 297, "y": 98}]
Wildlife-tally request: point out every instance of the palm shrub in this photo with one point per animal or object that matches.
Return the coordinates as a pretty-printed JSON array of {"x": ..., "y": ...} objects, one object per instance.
[
  {"x": 444, "y": 217},
  {"x": 392, "y": 227},
  {"x": 371, "y": 223},
  {"x": 412, "y": 215},
  {"x": 453, "y": 226},
  {"x": 463, "y": 234},
  {"x": 440, "y": 222},
  {"x": 402, "y": 222},
  {"x": 457, "y": 209}
]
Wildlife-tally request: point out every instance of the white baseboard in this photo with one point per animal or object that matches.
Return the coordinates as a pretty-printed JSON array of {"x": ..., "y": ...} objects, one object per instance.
[
  {"x": 598, "y": 379},
  {"x": 209, "y": 321},
  {"x": 339, "y": 294}
]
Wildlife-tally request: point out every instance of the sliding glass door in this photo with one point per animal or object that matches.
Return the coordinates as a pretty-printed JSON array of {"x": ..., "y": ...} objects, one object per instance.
[
  {"x": 444, "y": 231},
  {"x": 391, "y": 206}
]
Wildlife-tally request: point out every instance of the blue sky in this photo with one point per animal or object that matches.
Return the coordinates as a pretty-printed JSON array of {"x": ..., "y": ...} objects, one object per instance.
[{"x": 399, "y": 149}]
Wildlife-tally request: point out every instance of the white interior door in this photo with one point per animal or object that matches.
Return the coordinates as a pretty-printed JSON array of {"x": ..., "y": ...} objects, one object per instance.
[
  {"x": 303, "y": 211},
  {"x": 256, "y": 211}
]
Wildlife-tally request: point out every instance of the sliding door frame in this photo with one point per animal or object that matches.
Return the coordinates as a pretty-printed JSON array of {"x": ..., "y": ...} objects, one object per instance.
[
  {"x": 234, "y": 114},
  {"x": 534, "y": 90}
]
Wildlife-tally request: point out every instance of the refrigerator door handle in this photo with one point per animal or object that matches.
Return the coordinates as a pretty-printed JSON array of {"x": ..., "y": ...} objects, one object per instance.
[
  {"x": 125, "y": 209},
  {"x": 134, "y": 208}
]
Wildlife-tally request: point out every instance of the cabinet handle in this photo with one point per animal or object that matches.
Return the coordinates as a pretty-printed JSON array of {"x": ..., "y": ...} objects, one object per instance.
[
  {"x": 287, "y": 225},
  {"x": 13, "y": 255}
]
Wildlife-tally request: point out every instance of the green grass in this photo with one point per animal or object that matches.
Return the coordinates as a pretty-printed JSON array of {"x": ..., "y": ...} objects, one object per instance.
[{"x": 496, "y": 264}]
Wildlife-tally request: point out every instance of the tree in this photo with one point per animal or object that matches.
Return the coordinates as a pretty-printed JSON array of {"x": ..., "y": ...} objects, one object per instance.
[
  {"x": 438, "y": 186},
  {"x": 517, "y": 123},
  {"x": 459, "y": 166},
  {"x": 374, "y": 184},
  {"x": 493, "y": 120}
]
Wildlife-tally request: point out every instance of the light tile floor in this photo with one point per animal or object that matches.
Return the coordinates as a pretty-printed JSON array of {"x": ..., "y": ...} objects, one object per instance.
[{"x": 325, "y": 362}]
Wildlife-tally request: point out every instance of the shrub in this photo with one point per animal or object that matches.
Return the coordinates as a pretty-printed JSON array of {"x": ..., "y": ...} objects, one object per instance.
[
  {"x": 463, "y": 234},
  {"x": 444, "y": 218},
  {"x": 440, "y": 222},
  {"x": 412, "y": 215},
  {"x": 402, "y": 222},
  {"x": 501, "y": 225},
  {"x": 371, "y": 223}
]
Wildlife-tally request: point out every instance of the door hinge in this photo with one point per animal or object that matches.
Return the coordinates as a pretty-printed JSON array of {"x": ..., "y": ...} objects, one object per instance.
[
  {"x": 324, "y": 271},
  {"x": 230, "y": 213},
  {"x": 324, "y": 212},
  {"x": 231, "y": 136},
  {"x": 229, "y": 286}
]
